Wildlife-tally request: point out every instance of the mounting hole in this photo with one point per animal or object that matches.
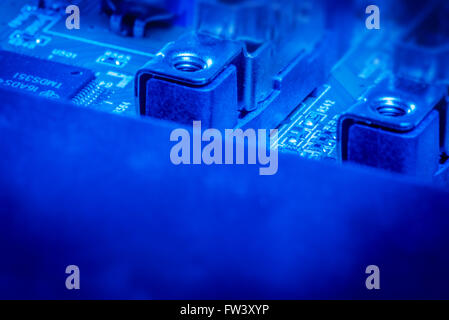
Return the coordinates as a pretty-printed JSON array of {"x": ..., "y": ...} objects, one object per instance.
[
  {"x": 189, "y": 62},
  {"x": 393, "y": 107}
]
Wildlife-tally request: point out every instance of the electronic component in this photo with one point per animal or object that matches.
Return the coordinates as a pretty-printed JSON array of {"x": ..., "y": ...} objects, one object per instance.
[
  {"x": 42, "y": 77},
  {"x": 132, "y": 18},
  {"x": 399, "y": 125},
  {"x": 30, "y": 41},
  {"x": 114, "y": 59},
  {"x": 262, "y": 69}
]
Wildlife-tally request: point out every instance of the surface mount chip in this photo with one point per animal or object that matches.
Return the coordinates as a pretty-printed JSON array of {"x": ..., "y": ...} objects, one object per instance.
[{"x": 42, "y": 77}]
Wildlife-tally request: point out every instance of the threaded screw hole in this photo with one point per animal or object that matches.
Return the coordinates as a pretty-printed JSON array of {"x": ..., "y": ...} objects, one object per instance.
[
  {"x": 393, "y": 107},
  {"x": 188, "y": 62}
]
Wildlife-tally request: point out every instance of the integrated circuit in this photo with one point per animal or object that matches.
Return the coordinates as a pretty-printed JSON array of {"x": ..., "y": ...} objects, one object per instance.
[{"x": 42, "y": 77}]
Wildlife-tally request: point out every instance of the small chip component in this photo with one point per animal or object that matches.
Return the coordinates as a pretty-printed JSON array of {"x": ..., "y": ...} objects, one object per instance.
[
  {"x": 114, "y": 59},
  {"x": 42, "y": 77}
]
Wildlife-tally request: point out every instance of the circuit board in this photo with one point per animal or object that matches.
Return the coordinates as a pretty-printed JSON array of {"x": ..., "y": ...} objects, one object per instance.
[
  {"x": 310, "y": 129},
  {"x": 139, "y": 145},
  {"x": 114, "y": 59}
]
